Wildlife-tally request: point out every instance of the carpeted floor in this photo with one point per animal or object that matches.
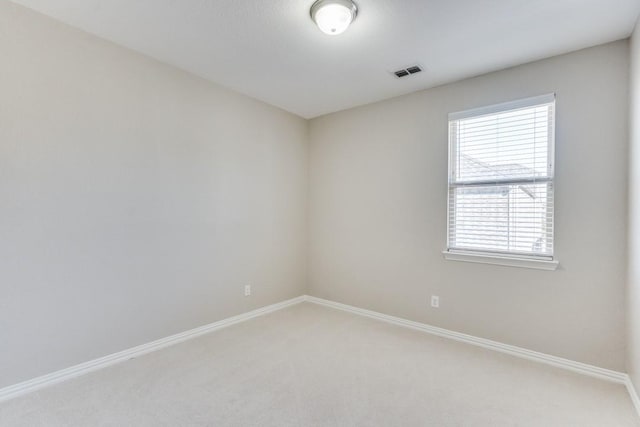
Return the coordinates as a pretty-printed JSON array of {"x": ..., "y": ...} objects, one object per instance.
[{"x": 313, "y": 366}]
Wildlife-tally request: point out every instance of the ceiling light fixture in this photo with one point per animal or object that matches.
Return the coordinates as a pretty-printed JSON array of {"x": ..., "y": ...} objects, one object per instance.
[{"x": 333, "y": 16}]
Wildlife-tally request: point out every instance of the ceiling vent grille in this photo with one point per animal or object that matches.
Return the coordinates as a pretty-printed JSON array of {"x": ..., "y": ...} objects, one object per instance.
[{"x": 407, "y": 71}]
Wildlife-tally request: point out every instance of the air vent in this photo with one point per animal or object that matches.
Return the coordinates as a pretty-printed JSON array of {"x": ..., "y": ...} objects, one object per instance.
[{"x": 407, "y": 71}]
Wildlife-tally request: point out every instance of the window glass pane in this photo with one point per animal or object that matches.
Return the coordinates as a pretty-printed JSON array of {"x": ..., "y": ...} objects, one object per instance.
[
  {"x": 506, "y": 145},
  {"x": 505, "y": 218}
]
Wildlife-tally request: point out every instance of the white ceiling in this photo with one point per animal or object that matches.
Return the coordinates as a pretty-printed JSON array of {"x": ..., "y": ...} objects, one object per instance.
[{"x": 272, "y": 51}]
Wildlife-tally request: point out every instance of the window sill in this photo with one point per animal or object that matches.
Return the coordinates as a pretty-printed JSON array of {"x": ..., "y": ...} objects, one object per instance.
[{"x": 509, "y": 261}]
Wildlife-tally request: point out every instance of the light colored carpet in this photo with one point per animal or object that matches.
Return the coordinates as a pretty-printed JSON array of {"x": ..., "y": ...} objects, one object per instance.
[{"x": 313, "y": 366}]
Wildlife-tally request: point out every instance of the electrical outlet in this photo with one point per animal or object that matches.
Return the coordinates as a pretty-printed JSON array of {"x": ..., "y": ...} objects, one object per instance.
[
  {"x": 247, "y": 290},
  {"x": 435, "y": 301}
]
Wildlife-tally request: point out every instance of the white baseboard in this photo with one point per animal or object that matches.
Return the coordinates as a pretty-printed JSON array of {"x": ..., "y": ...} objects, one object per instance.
[
  {"x": 582, "y": 368},
  {"x": 632, "y": 392},
  {"x": 24, "y": 387},
  {"x": 34, "y": 384}
]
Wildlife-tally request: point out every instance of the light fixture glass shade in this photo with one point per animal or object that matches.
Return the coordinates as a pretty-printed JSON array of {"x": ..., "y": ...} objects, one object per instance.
[{"x": 333, "y": 16}]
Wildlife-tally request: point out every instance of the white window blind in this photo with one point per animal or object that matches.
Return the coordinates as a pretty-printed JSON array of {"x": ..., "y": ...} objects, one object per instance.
[{"x": 501, "y": 179}]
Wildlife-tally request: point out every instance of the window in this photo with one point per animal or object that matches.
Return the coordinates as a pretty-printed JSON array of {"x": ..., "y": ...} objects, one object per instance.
[{"x": 501, "y": 184}]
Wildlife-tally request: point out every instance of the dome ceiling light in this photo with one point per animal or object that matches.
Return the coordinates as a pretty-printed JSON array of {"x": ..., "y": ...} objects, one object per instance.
[{"x": 333, "y": 16}]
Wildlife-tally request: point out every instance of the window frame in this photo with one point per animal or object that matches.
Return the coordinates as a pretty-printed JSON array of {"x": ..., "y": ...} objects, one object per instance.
[{"x": 514, "y": 259}]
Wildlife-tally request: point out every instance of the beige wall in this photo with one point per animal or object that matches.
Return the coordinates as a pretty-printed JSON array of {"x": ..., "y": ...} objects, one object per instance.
[
  {"x": 136, "y": 200},
  {"x": 378, "y": 191},
  {"x": 633, "y": 291}
]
